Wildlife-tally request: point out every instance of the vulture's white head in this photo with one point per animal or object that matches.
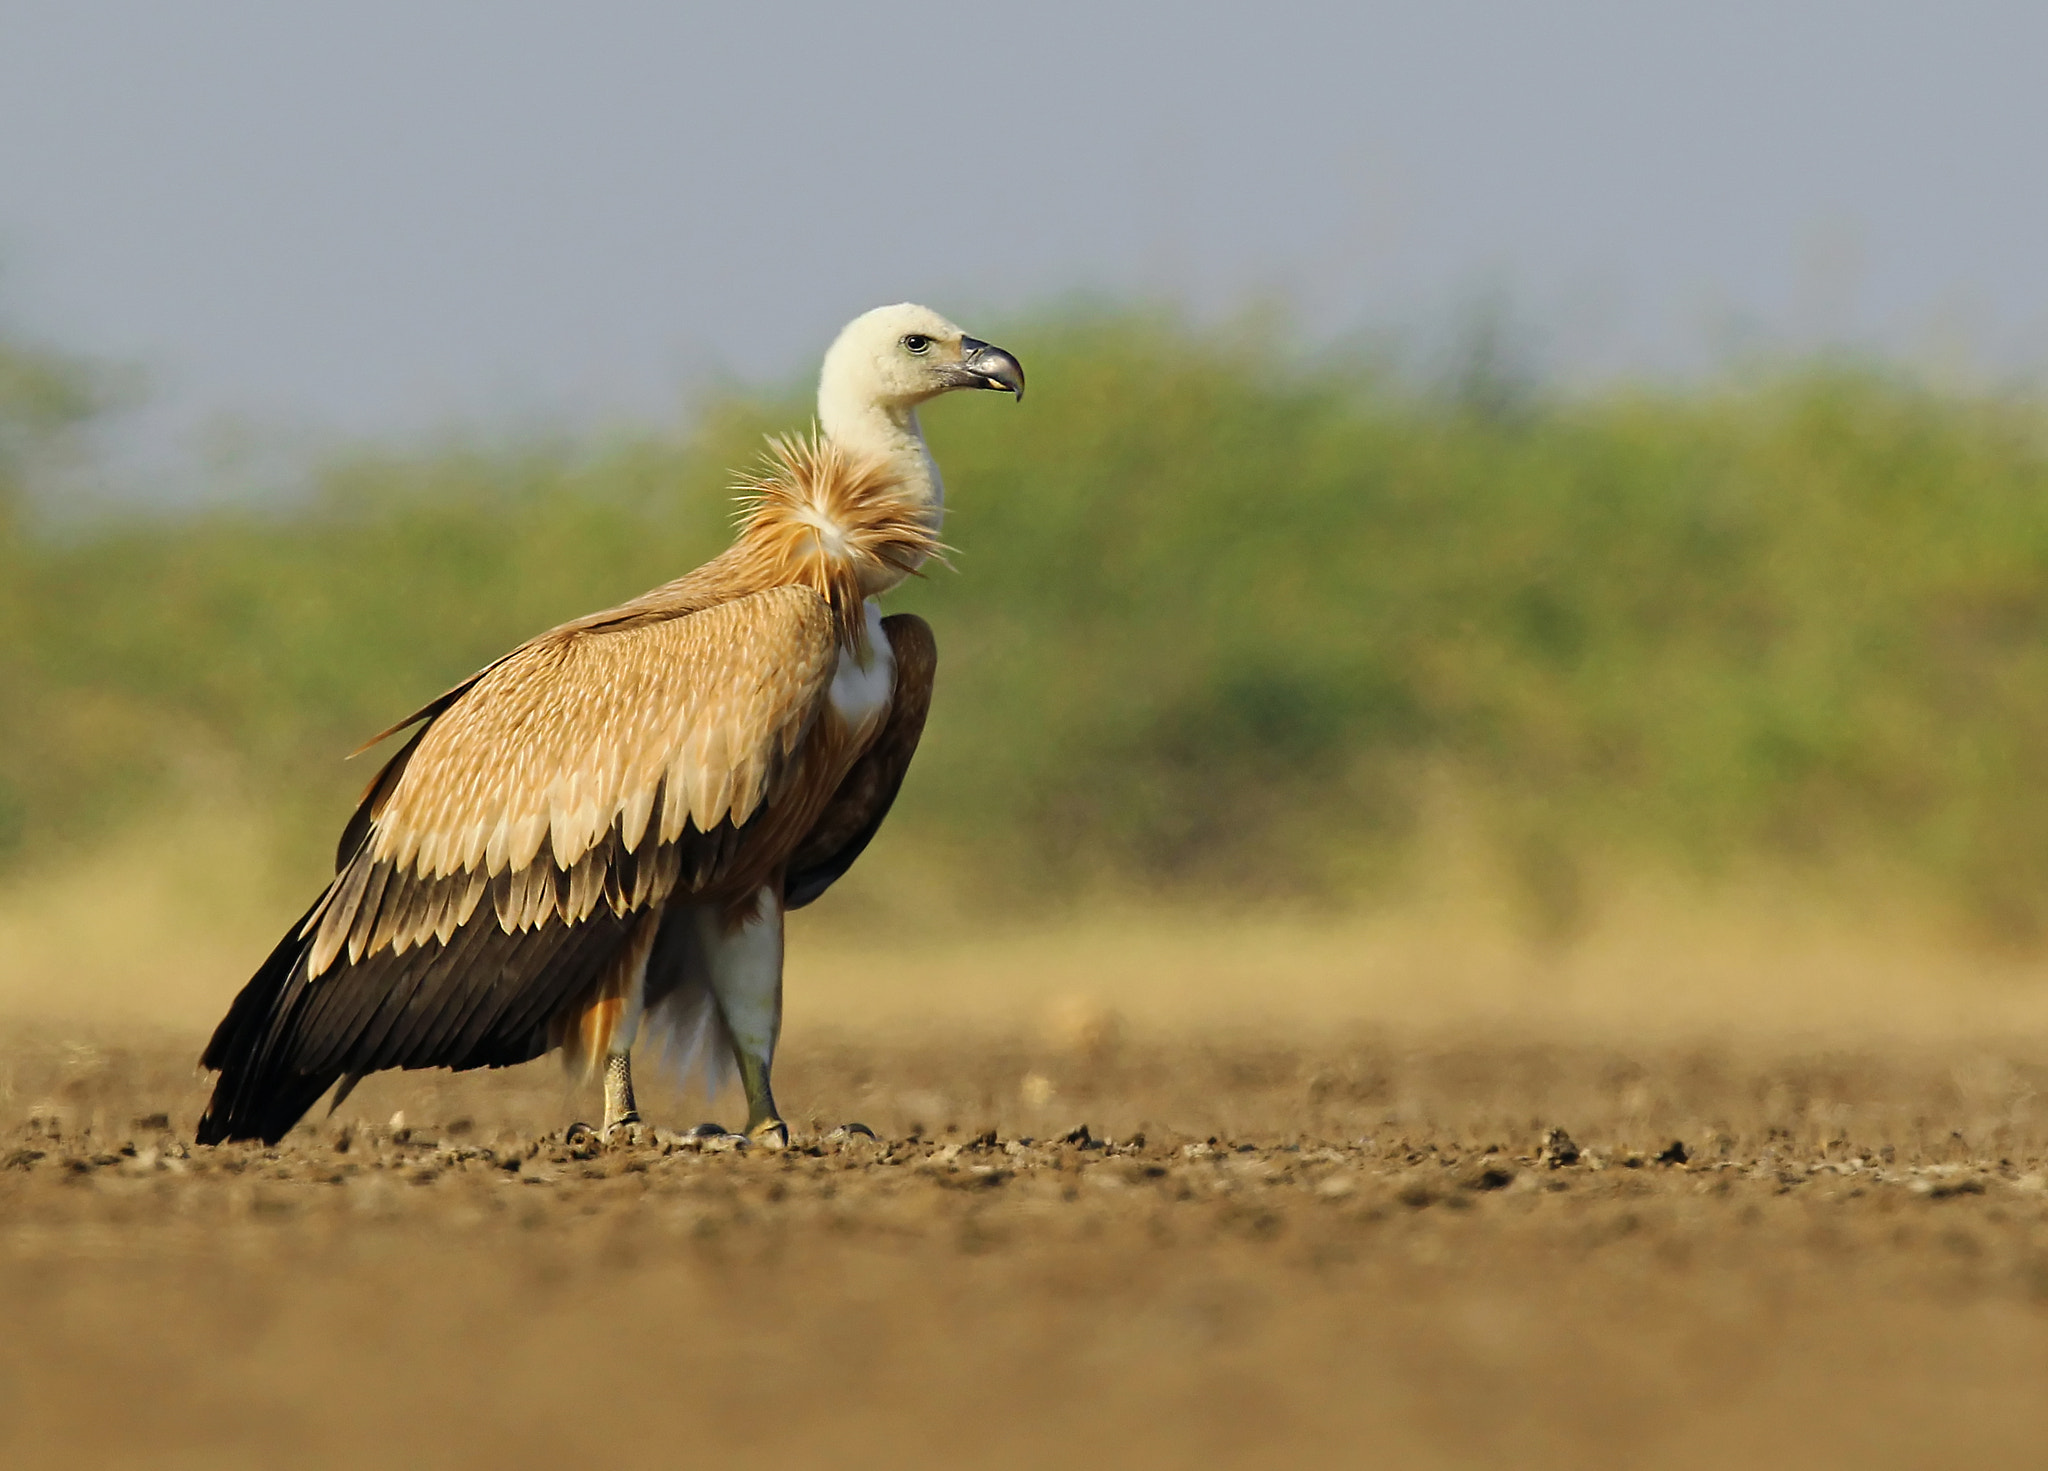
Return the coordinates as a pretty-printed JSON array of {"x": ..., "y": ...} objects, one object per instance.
[{"x": 886, "y": 362}]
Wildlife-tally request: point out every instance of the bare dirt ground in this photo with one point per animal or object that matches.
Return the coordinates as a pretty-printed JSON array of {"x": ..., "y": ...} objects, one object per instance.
[{"x": 1370, "y": 1249}]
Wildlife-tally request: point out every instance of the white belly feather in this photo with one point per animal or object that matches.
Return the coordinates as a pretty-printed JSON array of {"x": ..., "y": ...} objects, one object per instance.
[{"x": 860, "y": 695}]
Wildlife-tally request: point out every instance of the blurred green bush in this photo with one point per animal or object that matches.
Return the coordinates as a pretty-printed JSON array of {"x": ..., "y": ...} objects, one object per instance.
[{"x": 1219, "y": 619}]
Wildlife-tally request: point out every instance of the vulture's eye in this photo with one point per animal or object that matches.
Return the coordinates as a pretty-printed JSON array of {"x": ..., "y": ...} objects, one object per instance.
[{"x": 918, "y": 342}]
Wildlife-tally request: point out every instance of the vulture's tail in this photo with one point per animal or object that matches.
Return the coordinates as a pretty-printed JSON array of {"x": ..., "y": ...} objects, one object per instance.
[{"x": 254, "y": 1098}]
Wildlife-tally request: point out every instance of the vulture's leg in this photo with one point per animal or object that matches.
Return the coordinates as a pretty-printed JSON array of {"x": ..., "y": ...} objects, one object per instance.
[
  {"x": 743, "y": 949},
  {"x": 619, "y": 1111},
  {"x": 604, "y": 1023},
  {"x": 619, "y": 1108}
]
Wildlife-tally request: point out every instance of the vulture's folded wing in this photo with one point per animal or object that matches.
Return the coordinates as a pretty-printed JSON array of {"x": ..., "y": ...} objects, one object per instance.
[
  {"x": 574, "y": 754},
  {"x": 506, "y": 853},
  {"x": 853, "y": 816}
]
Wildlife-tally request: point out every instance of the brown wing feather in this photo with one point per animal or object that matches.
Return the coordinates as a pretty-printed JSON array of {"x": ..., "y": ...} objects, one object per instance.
[
  {"x": 852, "y": 817},
  {"x": 572, "y": 754},
  {"x": 555, "y": 743},
  {"x": 505, "y": 852}
]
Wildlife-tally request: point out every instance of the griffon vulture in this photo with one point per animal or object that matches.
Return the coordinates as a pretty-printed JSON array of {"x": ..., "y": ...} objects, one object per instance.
[{"x": 600, "y": 832}]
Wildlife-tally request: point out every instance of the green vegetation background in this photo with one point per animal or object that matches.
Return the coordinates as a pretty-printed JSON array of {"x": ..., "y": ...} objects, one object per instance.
[{"x": 1219, "y": 621}]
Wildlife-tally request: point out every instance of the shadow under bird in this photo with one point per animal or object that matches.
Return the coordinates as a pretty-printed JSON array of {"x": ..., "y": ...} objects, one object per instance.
[{"x": 599, "y": 834}]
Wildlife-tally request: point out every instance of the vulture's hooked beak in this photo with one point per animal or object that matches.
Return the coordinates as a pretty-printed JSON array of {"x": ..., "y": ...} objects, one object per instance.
[{"x": 983, "y": 366}]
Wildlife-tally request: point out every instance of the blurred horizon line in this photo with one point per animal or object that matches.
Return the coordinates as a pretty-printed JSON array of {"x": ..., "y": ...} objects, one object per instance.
[{"x": 144, "y": 453}]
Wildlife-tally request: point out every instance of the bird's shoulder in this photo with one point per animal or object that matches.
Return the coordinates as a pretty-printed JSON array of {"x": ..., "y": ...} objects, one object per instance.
[
  {"x": 754, "y": 610},
  {"x": 673, "y": 636}
]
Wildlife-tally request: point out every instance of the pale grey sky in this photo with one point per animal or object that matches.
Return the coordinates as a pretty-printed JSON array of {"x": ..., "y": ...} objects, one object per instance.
[{"x": 375, "y": 217}]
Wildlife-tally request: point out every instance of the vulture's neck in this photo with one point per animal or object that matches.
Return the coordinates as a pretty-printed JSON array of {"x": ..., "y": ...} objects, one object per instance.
[
  {"x": 840, "y": 521},
  {"x": 888, "y": 431}
]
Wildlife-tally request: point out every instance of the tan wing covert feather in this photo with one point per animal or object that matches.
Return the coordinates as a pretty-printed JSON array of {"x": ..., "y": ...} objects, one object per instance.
[
  {"x": 572, "y": 733},
  {"x": 565, "y": 777}
]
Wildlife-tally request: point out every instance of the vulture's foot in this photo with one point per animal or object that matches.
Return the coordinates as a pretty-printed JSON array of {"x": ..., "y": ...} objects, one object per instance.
[
  {"x": 627, "y": 1131},
  {"x": 764, "y": 1120}
]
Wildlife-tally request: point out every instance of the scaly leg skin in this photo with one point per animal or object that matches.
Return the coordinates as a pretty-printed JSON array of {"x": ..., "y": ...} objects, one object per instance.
[
  {"x": 620, "y": 1111},
  {"x": 745, "y": 965}
]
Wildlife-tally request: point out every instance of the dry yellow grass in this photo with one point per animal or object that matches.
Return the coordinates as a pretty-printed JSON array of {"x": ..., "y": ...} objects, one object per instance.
[{"x": 148, "y": 933}]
